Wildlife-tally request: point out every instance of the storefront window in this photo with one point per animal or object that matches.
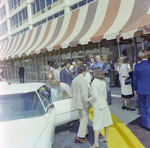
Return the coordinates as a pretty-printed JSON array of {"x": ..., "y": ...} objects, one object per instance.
[
  {"x": 13, "y": 69},
  {"x": 5, "y": 70},
  {"x": 55, "y": 56},
  {"x": 17, "y": 68},
  {"x": 112, "y": 54},
  {"x": 65, "y": 55},
  {"x": 46, "y": 56},
  {"x": 91, "y": 49},
  {"x": 27, "y": 68},
  {"x": 40, "y": 67},
  {"x": 9, "y": 69},
  {"x": 33, "y": 68},
  {"x": 77, "y": 52}
]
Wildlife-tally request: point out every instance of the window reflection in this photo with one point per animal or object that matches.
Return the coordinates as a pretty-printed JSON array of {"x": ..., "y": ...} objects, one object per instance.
[
  {"x": 65, "y": 55},
  {"x": 77, "y": 52}
]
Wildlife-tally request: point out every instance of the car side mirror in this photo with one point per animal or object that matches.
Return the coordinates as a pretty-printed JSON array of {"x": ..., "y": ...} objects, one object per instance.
[{"x": 50, "y": 106}]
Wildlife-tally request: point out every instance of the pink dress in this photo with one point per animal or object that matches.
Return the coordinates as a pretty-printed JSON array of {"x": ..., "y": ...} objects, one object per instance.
[{"x": 49, "y": 74}]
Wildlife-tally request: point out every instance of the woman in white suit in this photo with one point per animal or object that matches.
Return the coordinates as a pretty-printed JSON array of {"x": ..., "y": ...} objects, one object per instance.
[{"x": 101, "y": 113}]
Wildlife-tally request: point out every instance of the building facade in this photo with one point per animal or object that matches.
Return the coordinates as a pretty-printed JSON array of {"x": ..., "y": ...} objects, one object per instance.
[{"x": 19, "y": 18}]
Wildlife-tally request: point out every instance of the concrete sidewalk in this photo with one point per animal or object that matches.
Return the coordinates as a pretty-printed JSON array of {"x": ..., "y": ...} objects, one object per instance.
[{"x": 116, "y": 107}]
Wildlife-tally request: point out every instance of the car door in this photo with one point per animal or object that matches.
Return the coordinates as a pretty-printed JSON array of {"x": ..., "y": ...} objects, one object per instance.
[{"x": 65, "y": 112}]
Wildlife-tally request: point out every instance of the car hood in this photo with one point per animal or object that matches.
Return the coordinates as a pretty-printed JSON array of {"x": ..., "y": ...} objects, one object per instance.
[{"x": 21, "y": 133}]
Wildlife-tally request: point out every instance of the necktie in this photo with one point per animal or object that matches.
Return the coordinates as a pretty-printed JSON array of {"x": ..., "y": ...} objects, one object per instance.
[{"x": 70, "y": 72}]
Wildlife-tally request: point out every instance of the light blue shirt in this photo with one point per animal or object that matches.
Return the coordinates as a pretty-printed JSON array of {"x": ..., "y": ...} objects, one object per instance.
[{"x": 101, "y": 64}]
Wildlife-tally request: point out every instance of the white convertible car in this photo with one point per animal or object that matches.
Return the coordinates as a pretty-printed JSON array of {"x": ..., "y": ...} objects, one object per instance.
[{"x": 28, "y": 116}]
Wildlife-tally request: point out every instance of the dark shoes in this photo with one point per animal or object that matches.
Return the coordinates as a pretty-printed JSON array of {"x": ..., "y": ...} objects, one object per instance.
[
  {"x": 124, "y": 107},
  {"x": 131, "y": 109},
  {"x": 80, "y": 140},
  {"x": 127, "y": 108}
]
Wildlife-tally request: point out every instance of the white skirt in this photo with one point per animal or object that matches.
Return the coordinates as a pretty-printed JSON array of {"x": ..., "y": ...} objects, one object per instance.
[
  {"x": 126, "y": 90},
  {"x": 101, "y": 118}
]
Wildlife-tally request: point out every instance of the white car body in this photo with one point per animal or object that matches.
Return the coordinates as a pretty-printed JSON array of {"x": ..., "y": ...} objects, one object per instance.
[{"x": 34, "y": 132}]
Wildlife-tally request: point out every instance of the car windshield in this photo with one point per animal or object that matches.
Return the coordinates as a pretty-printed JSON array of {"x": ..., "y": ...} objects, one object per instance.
[{"x": 19, "y": 106}]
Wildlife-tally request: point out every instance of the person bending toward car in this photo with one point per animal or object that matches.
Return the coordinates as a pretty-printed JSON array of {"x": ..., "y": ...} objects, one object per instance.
[{"x": 79, "y": 91}]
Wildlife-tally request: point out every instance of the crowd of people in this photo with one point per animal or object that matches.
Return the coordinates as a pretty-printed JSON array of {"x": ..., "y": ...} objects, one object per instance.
[
  {"x": 86, "y": 84},
  {"x": 90, "y": 83}
]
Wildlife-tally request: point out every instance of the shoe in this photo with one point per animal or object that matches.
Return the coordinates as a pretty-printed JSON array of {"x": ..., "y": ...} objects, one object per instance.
[
  {"x": 104, "y": 140},
  {"x": 124, "y": 107},
  {"x": 136, "y": 106},
  {"x": 94, "y": 146},
  {"x": 80, "y": 140},
  {"x": 131, "y": 109}
]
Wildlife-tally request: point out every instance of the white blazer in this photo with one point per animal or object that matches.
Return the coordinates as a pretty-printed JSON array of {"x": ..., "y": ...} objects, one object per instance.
[{"x": 98, "y": 94}]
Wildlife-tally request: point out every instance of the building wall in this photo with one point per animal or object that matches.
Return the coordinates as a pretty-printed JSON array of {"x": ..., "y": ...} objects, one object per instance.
[{"x": 18, "y": 16}]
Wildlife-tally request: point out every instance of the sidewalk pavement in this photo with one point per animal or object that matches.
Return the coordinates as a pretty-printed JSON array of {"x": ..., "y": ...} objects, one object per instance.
[{"x": 116, "y": 107}]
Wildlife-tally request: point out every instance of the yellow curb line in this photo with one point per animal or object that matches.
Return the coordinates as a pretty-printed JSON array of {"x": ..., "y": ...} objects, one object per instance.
[{"x": 119, "y": 135}]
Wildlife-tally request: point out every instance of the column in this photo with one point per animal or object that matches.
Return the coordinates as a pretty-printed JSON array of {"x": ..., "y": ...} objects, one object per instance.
[
  {"x": 60, "y": 56},
  {"x": 11, "y": 70},
  {"x": 119, "y": 49},
  {"x": 8, "y": 18},
  {"x": 43, "y": 67},
  {"x": 71, "y": 53},
  {"x": 36, "y": 68},
  {"x": 7, "y": 70},
  {"x": 84, "y": 52},
  {"x": 30, "y": 69},
  {"x": 99, "y": 47},
  {"x": 67, "y": 9},
  {"x": 15, "y": 69},
  {"x": 66, "y": 6},
  {"x": 50, "y": 55},
  {"x": 29, "y": 10},
  {"x": 24, "y": 68}
]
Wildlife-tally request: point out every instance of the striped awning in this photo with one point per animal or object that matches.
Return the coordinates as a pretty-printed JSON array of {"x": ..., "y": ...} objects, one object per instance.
[
  {"x": 143, "y": 24},
  {"x": 101, "y": 19}
]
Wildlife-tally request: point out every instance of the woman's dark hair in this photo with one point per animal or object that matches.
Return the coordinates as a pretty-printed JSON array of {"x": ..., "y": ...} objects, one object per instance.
[
  {"x": 81, "y": 68},
  {"x": 67, "y": 62},
  {"x": 52, "y": 64},
  {"x": 126, "y": 59},
  {"x": 92, "y": 58},
  {"x": 56, "y": 66},
  {"x": 48, "y": 62},
  {"x": 98, "y": 73}
]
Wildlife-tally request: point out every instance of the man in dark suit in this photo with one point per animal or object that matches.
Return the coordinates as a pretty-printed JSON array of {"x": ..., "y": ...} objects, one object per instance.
[
  {"x": 65, "y": 74},
  {"x": 21, "y": 73},
  {"x": 141, "y": 83},
  {"x": 148, "y": 50}
]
